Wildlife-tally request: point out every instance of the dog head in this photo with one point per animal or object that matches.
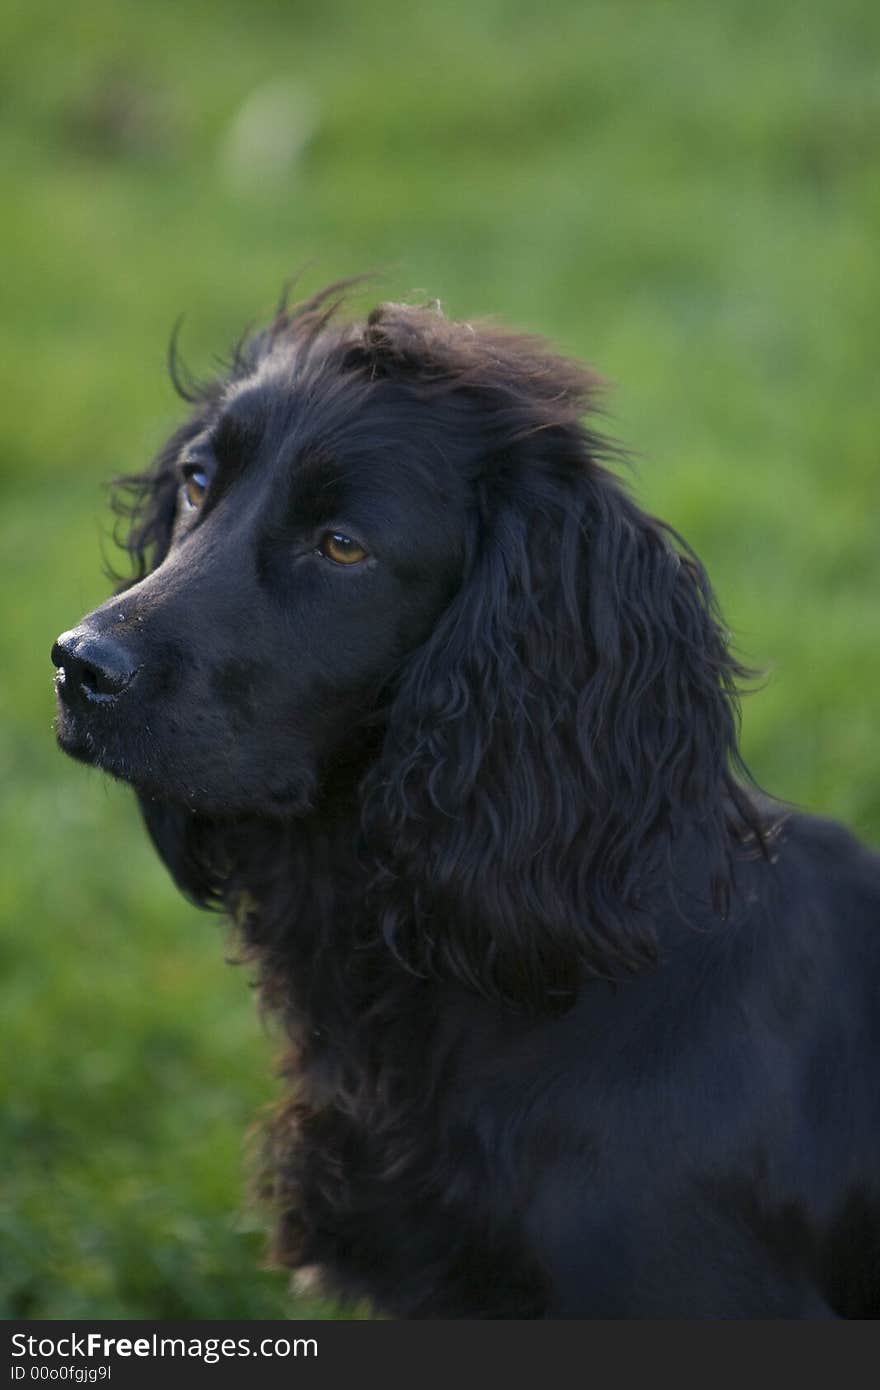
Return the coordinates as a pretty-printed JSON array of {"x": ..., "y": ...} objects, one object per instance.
[{"x": 393, "y": 548}]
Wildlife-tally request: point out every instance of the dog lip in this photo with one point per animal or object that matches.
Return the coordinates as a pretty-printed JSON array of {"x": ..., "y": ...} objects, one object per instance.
[{"x": 70, "y": 740}]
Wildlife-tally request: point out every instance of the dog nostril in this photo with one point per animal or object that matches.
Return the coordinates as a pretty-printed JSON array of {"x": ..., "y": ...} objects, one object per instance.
[
  {"x": 90, "y": 681},
  {"x": 91, "y": 668}
]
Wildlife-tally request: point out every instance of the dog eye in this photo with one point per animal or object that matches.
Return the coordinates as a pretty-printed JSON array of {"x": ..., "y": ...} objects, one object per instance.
[
  {"x": 195, "y": 484},
  {"x": 341, "y": 549}
]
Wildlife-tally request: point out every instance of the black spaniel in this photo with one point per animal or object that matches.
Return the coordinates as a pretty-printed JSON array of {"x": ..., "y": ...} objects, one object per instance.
[{"x": 579, "y": 1025}]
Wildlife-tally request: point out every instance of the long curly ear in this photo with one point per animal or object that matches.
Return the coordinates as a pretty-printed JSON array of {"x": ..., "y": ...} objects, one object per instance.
[{"x": 574, "y": 711}]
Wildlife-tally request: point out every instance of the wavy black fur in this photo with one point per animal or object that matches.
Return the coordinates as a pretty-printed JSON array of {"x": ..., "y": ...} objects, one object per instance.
[{"x": 562, "y": 995}]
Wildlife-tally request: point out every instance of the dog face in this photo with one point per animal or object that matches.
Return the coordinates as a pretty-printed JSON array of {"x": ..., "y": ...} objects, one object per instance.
[{"x": 315, "y": 530}]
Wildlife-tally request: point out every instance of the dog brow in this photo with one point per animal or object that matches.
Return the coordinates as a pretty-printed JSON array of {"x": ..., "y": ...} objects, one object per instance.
[{"x": 232, "y": 440}]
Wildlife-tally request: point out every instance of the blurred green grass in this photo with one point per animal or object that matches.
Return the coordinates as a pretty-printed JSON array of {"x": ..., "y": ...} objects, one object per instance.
[{"x": 687, "y": 195}]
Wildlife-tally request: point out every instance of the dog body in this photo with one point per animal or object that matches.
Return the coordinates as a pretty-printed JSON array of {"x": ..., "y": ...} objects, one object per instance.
[{"x": 408, "y": 685}]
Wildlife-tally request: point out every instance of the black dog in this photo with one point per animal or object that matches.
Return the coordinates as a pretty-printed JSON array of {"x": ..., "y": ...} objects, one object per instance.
[{"x": 579, "y": 1025}]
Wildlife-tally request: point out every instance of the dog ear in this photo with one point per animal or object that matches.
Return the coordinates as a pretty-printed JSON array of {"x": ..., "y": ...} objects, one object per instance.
[{"x": 573, "y": 712}]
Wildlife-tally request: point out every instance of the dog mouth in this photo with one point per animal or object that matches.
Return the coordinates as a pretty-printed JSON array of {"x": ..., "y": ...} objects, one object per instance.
[
  {"x": 75, "y": 737},
  {"x": 86, "y": 744},
  {"x": 90, "y": 738}
]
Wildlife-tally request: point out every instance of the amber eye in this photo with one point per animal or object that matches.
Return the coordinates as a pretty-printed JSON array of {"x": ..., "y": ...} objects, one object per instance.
[
  {"x": 195, "y": 485},
  {"x": 340, "y": 548}
]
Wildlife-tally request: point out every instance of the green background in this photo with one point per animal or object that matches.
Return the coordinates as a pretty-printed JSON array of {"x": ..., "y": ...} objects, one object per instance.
[{"x": 686, "y": 194}]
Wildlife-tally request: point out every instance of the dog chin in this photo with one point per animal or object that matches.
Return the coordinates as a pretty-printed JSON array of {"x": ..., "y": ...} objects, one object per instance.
[{"x": 225, "y": 802}]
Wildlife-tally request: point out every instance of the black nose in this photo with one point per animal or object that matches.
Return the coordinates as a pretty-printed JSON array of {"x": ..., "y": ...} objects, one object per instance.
[{"x": 91, "y": 668}]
